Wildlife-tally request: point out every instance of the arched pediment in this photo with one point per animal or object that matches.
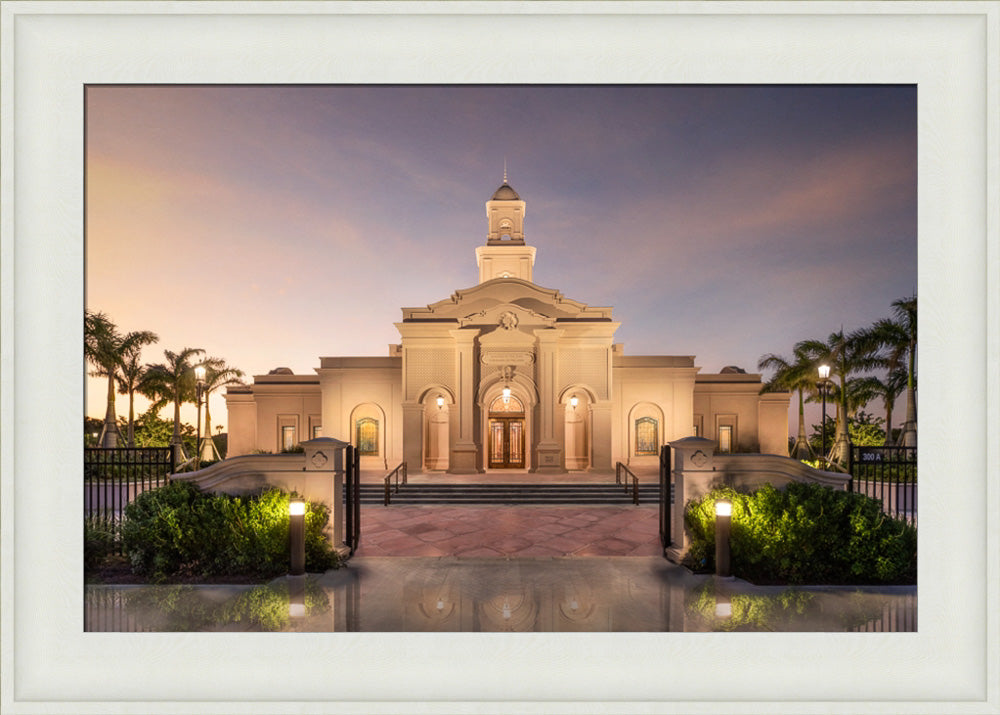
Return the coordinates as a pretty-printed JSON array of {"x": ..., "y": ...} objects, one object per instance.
[
  {"x": 535, "y": 300},
  {"x": 506, "y": 317}
]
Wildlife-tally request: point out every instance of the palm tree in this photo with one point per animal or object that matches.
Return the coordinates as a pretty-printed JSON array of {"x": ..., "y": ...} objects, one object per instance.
[
  {"x": 888, "y": 390},
  {"x": 173, "y": 381},
  {"x": 797, "y": 376},
  {"x": 905, "y": 312},
  {"x": 106, "y": 349},
  {"x": 132, "y": 377},
  {"x": 845, "y": 356},
  {"x": 895, "y": 341},
  {"x": 217, "y": 374}
]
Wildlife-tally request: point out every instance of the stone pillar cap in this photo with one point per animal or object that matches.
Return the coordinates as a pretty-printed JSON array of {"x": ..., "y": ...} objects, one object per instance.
[
  {"x": 693, "y": 443},
  {"x": 324, "y": 454},
  {"x": 324, "y": 442}
]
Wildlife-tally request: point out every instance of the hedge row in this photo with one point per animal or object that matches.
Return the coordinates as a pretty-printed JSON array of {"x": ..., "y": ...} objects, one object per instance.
[
  {"x": 178, "y": 529},
  {"x": 805, "y": 533}
]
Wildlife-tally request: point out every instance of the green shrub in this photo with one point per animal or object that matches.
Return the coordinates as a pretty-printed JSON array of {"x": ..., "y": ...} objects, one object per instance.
[
  {"x": 180, "y": 530},
  {"x": 805, "y": 533}
]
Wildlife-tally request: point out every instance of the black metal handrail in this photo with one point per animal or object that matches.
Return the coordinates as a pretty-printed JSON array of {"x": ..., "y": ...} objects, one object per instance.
[
  {"x": 397, "y": 472},
  {"x": 619, "y": 479}
]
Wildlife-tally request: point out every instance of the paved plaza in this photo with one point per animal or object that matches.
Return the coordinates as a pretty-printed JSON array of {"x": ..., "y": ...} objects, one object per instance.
[{"x": 509, "y": 531}]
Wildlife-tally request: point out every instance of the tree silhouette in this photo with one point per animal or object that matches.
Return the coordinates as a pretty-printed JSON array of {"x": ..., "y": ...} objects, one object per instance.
[{"x": 107, "y": 350}]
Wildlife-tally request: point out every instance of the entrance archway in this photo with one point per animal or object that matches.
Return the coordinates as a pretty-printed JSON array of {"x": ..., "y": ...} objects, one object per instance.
[{"x": 506, "y": 433}]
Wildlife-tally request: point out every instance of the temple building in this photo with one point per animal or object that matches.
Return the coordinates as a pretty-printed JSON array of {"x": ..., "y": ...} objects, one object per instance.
[{"x": 507, "y": 375}]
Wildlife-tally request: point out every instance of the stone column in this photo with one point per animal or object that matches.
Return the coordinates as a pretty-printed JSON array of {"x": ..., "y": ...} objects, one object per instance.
[
  {"x": 463, "y": 444},
  {"x": 550, "y": 458},
  {"x": 601, "y": 435},
  {"x": 693, "y": 475},
  {"x": 413, "y": 436}
]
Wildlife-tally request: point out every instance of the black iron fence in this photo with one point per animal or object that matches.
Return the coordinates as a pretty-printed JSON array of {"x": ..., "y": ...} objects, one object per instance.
[
  {"x": 888, "y": 474},
  {"x": 113, "y": 478}
]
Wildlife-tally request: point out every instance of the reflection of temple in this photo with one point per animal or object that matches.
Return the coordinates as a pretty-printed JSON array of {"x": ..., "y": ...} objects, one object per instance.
[{"x": 507, "y": 375}]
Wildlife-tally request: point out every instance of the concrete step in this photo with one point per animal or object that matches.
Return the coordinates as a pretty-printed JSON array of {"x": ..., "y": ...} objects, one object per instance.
[{"x": 509, "y": 494}]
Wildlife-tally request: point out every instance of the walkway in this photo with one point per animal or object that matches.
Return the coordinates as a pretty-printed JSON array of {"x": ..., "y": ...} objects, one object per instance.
[{"x": 510, "y": 531}]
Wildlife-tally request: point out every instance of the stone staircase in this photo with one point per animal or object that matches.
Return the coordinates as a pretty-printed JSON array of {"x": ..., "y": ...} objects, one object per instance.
[{"x": 510, "y": 494}]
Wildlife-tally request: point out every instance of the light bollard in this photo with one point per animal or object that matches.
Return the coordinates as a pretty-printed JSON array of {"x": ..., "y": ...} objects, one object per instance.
[
  {"x": 723, "y": 516},
  {"x": 297, "y": 536}
]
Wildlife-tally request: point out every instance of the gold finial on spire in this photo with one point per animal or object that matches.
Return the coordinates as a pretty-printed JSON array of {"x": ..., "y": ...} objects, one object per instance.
[{"x": 505, "y": 170}]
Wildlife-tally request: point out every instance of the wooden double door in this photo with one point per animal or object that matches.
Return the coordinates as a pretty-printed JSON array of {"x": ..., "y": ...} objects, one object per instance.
[{"x": 506, "y": 442}]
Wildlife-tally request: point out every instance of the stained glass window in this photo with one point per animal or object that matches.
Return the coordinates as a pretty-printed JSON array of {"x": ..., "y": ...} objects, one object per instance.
[
  {"x": 647, "y": 436},
  {"x": 287, "y": 437},
  {"x": 506, "y": 404},
  {"x": 367, "y": 429},
  {"x": 725, "y": 438}
]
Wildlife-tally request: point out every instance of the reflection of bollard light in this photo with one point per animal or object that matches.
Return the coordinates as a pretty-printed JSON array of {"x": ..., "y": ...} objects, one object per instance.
[
  {"x": 297, "y": 596},
  {"x": 297, "y": 536},
  {"x": 506, "y": 611},
  {"x": 723, "y": 606},
  {"x": 440, "y": 605},
  {"x": 723, "y": 515}
]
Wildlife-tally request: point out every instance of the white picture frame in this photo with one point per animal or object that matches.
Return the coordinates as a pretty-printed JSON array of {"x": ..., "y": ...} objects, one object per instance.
[{"x": 51, "y": 50}]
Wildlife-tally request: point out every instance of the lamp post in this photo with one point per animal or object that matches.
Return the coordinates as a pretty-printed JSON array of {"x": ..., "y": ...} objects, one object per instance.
[
  {"x": 824, "y": 383},
  {"x": 297, "y": 536},
  {"x": 723, "y": 516},
  {"x": 199, "y": 374}
]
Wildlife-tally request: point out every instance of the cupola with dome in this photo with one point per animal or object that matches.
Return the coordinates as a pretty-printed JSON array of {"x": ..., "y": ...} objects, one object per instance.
[{"x": 505, "y": 254}]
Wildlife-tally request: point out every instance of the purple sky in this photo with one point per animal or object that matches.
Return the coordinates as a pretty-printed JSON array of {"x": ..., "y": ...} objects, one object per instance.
[{"x": 274, "y": 225}]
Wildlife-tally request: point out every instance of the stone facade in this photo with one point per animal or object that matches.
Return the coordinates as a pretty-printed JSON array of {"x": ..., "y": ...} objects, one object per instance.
[{"x": 507, "y": 374}]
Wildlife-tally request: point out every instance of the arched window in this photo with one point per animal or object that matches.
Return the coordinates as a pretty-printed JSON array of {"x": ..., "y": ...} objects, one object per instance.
[
  {"x": 647, "y": 437},
  {"x": 506, "y": 404},
  {"x": 367, "y": 436}
]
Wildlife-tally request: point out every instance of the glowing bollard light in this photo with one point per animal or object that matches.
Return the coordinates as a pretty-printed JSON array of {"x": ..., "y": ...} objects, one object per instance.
[
  {"x": 297, "y": 536},
  {"x": 723, "y": 516}
]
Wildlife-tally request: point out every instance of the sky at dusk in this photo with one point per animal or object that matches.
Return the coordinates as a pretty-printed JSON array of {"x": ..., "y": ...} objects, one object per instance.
[{"x": 274, "y": 225}]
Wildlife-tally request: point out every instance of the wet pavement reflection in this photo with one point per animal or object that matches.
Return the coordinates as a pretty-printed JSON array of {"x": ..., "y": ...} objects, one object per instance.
[{"x": 454, "y": 594}]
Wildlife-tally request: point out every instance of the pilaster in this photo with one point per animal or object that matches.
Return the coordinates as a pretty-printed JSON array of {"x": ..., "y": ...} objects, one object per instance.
[
  {"x": 551, "y": 448},
  {"x": 464, "y": 449},
  {"x": 601, "y": 435},
  {"x": 413, "y": 435}
]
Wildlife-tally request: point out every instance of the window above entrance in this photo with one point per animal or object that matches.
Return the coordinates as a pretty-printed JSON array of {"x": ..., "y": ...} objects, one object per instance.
[{"x": 506, "y": 404}]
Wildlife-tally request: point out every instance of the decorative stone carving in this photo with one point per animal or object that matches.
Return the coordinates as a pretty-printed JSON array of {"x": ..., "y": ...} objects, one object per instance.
[
  {"x": 699, "y": 459},
  {"x": 319, "y": 459},
  {"x": 508, "y": 321}
]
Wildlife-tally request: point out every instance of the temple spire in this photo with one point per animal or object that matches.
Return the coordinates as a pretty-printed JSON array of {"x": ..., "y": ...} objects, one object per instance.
[{"x": 505, "y": 170}]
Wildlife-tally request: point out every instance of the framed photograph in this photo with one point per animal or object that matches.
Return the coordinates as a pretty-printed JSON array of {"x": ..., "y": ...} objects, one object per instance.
[{"x": 51, "y": 54}]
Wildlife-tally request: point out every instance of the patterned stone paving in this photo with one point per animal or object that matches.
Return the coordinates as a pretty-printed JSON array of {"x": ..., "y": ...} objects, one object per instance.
[{"x": 509, "y": 531}]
